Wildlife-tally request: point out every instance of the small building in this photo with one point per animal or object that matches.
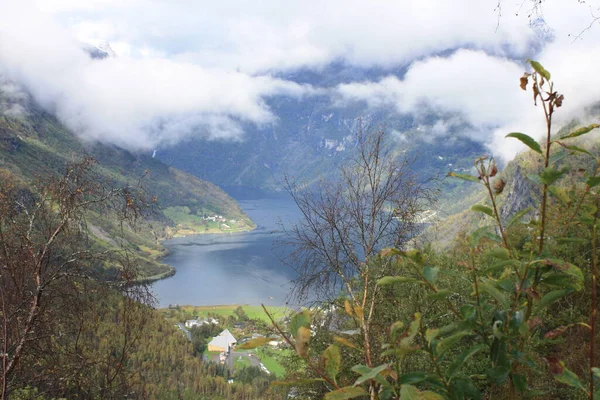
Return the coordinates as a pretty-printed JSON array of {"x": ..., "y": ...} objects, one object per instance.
[
  {"x": 190, "y": 323},
  {"x": 224, "y": 342}
]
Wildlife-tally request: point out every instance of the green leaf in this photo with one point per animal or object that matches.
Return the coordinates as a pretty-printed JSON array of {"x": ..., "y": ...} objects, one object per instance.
[
  {"x": 596, "y": 372},
  {"x": 411, "y": 377},
  {"x": 576, "y": 149},
  {"x": 550, "y": 175},
  {"x": 301, "y": 319},
  {"x": 440, "y": 294},
  {"x": 559, "y": 280},
  {"x": 581, "y": 131},
  {"x": 563, "y": 374},
  {"x": 494, "y": 292},
  {"x": 539, "y": 69},
  {"x": 560, "y": 193},
  {"x": 497, "y": 374},
  {"x": 551, "y": 297},
  {"x": 395, "y": 327},
  {"x": 586, "y": 220},
  {"x": 253, "y": 343},
  {"x": 390, "y": 280},
  {"x": 431, "y": 334},
  {"x": 464, "y": 356},
  {"x": 390, "y": 251},
  {"x": 446, "y": 343},
  {"x": 477, "y": 235},
  {"x": 464, "y": 389},
  {"x": 416, "y": 256},
  {"x": 493, "y": 237},
  {"x": 573, "y": 271},
  {"x": 367, "y": 374},
  {"x": 431, "y": 274},
  {"x": 344, "y": 341},
  {"x": 593, "y": 181},
  {"x": 500, "y": 265},
  {"x": 409, "y": 392},
  {"x": 517, "y": 217},
  {"x": 520, "y": 382},
  {"x": 535, "y": 178},
  {"x": 464, "y": 177},
  {"x": 302, "y": 338},
  {"x": 554, "y": 158},
  {"x": 406, "y": 343},
  {"x": 468, "y": 311},
  {"x": 333, "y": 360},
  {"x": 526, "y": 140},
  {"x": 483, "y": 209},
  {"x": 499, "y": 253},
  {"x": 348, "y": 392}
]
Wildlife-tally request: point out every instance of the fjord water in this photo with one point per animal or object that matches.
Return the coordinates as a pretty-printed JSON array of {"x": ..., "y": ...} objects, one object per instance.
[{"x": 237, "y": 268}]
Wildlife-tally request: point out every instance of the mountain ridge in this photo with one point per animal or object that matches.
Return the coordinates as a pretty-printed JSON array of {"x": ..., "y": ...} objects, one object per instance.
[{"x": 35, "y": 145}]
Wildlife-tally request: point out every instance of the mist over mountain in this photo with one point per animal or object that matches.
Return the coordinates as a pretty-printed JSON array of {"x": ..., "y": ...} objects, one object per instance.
[{"x": 148, "y": 76}]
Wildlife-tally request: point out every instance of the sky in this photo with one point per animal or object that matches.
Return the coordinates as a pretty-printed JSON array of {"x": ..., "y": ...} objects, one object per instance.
[{"x": 192, "y": 67}]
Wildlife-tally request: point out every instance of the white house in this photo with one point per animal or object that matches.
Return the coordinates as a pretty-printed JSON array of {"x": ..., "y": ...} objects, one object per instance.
[
  {"x": 190, "y": 323},
  {"x": 224, "y": 342}
]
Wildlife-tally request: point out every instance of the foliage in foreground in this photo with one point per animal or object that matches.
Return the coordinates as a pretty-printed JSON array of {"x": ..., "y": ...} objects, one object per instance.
[
  {"x": 74, "y": 320},
  {"x": 513, "y": 315}
]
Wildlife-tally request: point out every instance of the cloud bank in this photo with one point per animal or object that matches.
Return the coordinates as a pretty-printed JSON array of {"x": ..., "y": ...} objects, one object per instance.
[
  {"x": 135, "y": 103},
  {"x": 190, "y": 67}
]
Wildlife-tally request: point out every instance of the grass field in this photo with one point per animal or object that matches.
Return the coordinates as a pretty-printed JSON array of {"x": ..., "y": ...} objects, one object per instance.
[
  {"x": 240, "y": 362},
  {"x": 269, "y": 358},
  {"x": 253, "y": 312}
]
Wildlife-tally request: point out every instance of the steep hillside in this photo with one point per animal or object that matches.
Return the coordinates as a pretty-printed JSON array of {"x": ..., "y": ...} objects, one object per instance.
[
  {"x": 520, "y": 191},
  {"x": 311, "y": 135},
  {"x": 33, "y": 144}
]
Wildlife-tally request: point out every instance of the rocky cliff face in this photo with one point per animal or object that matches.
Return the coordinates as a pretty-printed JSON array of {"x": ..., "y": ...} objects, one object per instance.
[
  {"x": 520, "y": 193},
  {"x": 308, "y": 140}
]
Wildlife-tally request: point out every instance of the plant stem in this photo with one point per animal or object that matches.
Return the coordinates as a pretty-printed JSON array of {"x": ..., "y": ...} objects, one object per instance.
[
  {"x": 496, "y": 213},
  {"x": 548, "y": 116},
  {"x": 579, "y": 203},
  {"x": 594, "y": 304},
  {"x": 477, "y": 296},
  {"x": 305, "y": 358}
]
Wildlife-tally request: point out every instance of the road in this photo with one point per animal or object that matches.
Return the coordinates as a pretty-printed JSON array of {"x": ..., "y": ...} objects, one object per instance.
[{"x": 185, "y": 331}]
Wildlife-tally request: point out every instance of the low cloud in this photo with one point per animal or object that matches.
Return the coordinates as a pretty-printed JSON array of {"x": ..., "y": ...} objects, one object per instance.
[
  {"x": 137, "y": 103},
  {"x": 481, "y": 91},
  {"x": 190, "y": 68},
  {"x": 278, "y": 35}
]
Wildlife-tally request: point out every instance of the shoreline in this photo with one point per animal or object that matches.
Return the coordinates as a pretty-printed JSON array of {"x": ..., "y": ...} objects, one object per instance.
[{"x": 172, "y": 270}]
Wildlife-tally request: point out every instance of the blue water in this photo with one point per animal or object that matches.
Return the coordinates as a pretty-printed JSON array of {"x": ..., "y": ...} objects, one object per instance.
[{"x": 238, "y": 268}]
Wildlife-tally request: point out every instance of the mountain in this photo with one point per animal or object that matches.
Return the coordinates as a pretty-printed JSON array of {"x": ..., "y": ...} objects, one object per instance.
[
  {"x": 313, "y": 134},
  {"x": 34, "y": 144},
  {"x": 521, "y": 190}
]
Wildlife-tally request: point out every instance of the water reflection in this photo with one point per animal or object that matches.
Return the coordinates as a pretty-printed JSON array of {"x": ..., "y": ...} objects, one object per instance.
[{"x": 232, "y": 268}]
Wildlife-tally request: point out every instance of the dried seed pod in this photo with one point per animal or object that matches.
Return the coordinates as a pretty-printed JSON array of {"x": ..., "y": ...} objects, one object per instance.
[
  {"x": 559, "y": 100},
  {"x": 494, "y": 169},
  {"x": 524, "y": 82},
  {"x": 499, "y": 185}
]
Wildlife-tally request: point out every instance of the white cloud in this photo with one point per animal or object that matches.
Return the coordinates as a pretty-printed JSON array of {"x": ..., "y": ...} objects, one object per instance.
[
  {"x": 187, "y": 66},
  {"x": 135, "y": 103},
  {"x": 480, "y": 88},
  {"x": 483, "y": 90},
  {"x": 275, "y": 35}
]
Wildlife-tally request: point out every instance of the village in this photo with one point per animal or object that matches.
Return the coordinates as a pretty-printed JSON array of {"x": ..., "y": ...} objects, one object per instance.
[
  {"x": 219, "y": 219},
  {"x": 217, "y": 338}
]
